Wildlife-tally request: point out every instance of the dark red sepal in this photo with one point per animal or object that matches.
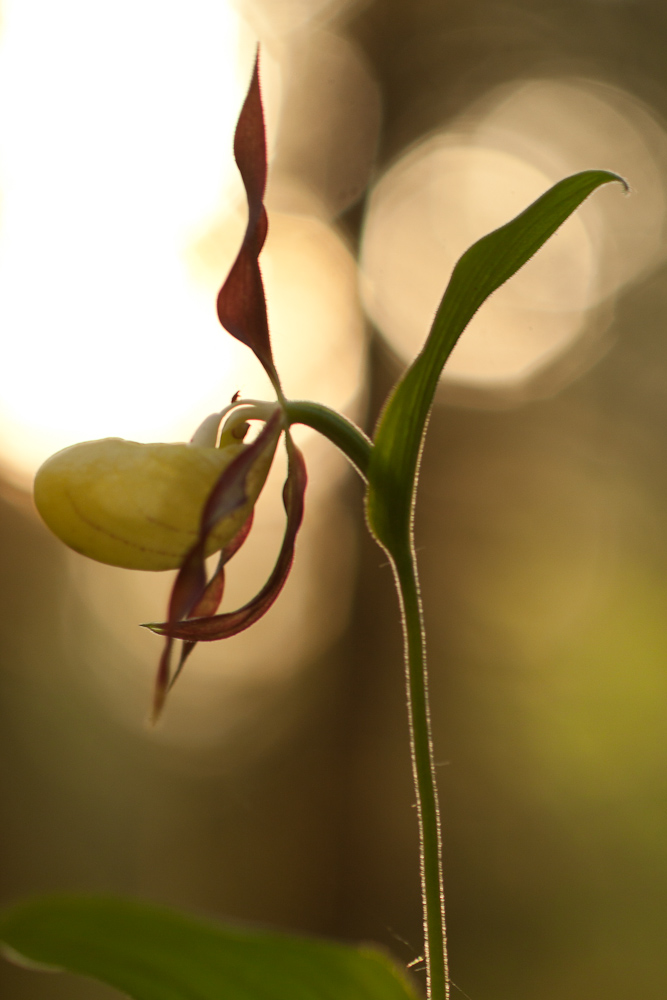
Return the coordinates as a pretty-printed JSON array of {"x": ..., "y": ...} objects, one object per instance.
[
  {"x": 222, "y": 626},
  {"x": 190, "y": 587},
  {"x": 212, "y": 596},
  {"x": 241, "y": 300}
]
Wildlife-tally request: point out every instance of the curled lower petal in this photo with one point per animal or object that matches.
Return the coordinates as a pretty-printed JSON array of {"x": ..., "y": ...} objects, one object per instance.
[
  {"x": 236, "y": 490},
  {"x": 208, "y": 604},
  {"x": 211, "y": 598},
  {"x": 237, "y": 487},
  {"x": 222, "y": 626}
]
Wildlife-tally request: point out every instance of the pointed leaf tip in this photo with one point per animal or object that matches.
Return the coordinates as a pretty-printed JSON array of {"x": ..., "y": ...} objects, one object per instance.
[{"x": 483, "y": 268}]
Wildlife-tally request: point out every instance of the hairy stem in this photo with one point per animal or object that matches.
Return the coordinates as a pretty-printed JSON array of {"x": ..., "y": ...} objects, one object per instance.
[
  {"x": 359, "y": 450},
  {"x": 338, "y": 429},
  {"x": 423, "y": 770}
]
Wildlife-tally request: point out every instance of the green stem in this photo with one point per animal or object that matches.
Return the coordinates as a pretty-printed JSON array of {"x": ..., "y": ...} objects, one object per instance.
[
  {"x": 404, "y": 564},
  {"x": 342, "y": 432},
  {"x": 359, "y": 450}
]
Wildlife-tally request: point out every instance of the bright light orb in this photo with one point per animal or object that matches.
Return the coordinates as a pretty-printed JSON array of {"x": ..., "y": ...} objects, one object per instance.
[
  {"x": 460, "y": 184},
  {"x": 424, "y": 214},
  {"x": 115, "y": 145}
]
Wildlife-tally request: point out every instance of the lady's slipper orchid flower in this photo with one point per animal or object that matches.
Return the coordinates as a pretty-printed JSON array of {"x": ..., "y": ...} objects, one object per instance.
[{"x": 170, "y": 506}]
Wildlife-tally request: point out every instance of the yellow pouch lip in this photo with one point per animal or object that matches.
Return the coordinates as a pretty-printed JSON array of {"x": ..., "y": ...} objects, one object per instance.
[{"x": 138, "y": 505}]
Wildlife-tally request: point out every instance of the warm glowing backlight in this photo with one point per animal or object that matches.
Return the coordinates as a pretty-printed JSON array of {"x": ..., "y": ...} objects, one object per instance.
[
  {"x": 459, "y": 184},
  {"x": 115, "y": 146}
]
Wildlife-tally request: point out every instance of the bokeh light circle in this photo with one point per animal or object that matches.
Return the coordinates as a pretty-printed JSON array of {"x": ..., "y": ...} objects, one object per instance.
[
  {"x": 463, "y": 182},
  {"x": 115, "y": 149}
]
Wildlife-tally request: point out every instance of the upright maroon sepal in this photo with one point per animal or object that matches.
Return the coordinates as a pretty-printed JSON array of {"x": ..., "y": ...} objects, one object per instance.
[{"x": 241, "y": 300}]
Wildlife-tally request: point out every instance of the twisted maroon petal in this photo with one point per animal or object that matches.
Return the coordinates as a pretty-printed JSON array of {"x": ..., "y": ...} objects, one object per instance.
[
  {"x": 212, "y": 596},
  {"x": 222, "y": 626},
  {"x": 189, "y": 592},
  {"x": 241, "y": 300}
]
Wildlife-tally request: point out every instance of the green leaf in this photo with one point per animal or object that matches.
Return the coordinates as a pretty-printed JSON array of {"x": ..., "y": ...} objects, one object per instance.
[
  {"x": 150, "y": 953},
  {"x": 481, "y": 270}
]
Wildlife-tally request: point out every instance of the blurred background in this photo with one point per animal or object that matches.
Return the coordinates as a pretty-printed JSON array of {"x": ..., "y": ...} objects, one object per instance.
[{"x": 277, "y": 788}]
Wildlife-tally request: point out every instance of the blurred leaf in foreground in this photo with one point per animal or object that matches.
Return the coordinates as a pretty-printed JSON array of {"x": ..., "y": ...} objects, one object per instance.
[{"x": 151, "y": 953}]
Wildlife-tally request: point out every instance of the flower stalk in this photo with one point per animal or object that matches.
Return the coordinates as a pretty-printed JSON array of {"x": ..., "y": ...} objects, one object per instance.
[{"x": 404, "y": 565}]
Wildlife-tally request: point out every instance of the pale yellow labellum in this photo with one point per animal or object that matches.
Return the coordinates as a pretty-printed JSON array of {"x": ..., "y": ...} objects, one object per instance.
[{"x": 139, "y": 505}]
